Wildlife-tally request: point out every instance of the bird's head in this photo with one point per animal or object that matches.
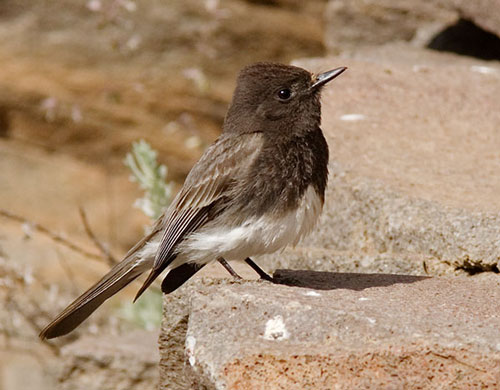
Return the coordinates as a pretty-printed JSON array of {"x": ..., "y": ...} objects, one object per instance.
[{"x": 280, "y": 98}]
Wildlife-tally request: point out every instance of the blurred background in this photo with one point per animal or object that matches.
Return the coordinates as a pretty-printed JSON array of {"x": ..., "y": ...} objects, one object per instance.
[{"x": 81, "y": 80}]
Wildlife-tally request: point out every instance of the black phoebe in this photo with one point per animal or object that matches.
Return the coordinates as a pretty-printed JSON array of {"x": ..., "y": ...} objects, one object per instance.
[{"x": 258, "y": 188}]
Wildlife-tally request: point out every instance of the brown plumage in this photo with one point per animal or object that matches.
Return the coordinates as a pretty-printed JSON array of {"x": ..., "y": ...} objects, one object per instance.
[{"x": 258, "y": 188}]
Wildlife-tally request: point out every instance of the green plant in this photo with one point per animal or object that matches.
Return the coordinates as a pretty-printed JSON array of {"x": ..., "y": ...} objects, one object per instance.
[
  {"x": 151, "y": 177},
  {"x": 146, "y": 312}
]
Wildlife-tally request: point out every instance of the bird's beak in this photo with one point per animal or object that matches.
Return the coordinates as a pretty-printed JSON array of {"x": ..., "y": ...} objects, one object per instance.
[{"x": 325, "y": 77}]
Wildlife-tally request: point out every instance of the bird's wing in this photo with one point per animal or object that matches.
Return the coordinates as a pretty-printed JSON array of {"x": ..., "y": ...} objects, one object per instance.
[{"x": 207, "y": 187}]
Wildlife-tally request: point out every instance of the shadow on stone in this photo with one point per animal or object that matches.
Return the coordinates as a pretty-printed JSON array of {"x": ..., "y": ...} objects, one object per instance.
[{"x": 333, "y": 280}]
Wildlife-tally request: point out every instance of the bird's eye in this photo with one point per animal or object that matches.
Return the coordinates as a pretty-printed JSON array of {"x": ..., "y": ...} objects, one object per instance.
[{"x": 284, "y": 94}]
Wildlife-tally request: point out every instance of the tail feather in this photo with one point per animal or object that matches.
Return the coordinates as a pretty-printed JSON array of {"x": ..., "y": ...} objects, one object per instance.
[
  {"x": 117, "y": 278},
  {"x": 150, "y": 279}
]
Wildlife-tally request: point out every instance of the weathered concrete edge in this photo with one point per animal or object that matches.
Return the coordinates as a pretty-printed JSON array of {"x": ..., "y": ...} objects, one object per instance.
[
  {"x": 394, "y": 364},
  {"x": 398, "y": 222},
  {"x": 445, "y": 355},
  {"x": 373, "y": 226}
]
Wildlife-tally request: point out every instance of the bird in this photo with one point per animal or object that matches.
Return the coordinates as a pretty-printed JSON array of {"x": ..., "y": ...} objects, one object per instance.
[{"x": 257, "y": 189}]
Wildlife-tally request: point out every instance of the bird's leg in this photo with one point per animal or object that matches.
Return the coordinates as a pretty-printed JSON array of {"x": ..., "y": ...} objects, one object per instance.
[
  {"x": 259, "y": 270},
  {"x": 226, "y": 265}
]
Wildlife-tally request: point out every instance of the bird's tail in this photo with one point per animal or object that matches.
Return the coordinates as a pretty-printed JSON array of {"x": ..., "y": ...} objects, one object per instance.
[{"x": 117, "y": 278}]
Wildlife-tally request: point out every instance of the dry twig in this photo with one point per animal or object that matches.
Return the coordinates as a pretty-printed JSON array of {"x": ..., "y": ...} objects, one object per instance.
[
  {"x": 102, "y": 248},
  {"x": 54, "y": 236},
  {"x": 31, "y": 320},
  {"x": 24, "y": 304}
]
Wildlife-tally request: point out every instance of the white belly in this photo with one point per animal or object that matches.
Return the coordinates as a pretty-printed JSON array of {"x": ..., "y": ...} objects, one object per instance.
[{"x": 255, "y": 236}]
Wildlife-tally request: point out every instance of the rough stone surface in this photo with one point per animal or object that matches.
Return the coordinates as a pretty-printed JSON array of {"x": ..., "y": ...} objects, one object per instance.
[
  {"x": 350, "y": 24},
  {"x": 483, "y": 12},
  {"x": 25, "y": 369},
  {"x": 173, "y": 375},
  {"x": 123, "y": 362},
  {"x": 415, "y": 166},
  {"x": 344, "y": 331}
]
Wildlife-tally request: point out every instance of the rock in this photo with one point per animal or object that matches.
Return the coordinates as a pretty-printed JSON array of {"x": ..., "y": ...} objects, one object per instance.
[
  {"x": 350, "y": 24},
  {"x": 415, "y": 166},
  {"x": 174, "y": 374},
  {"x": 351, "y": 331},
  {"x": 127, "y": 361},
  {"x": 48, "y": 189},
  {"x": 25, "y": 369},
  {"x": 483, "y": 13}
]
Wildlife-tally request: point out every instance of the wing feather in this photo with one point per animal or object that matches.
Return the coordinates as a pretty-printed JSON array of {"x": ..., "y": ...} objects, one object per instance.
[{"x": 210, "y": 180}]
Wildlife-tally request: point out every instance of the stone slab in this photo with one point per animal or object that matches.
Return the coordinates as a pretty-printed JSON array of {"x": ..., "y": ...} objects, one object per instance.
[
  {"x": 351, "y": 24},
  {"x": 111, "y": 362},
  {"x": 343, "y": 331}
]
